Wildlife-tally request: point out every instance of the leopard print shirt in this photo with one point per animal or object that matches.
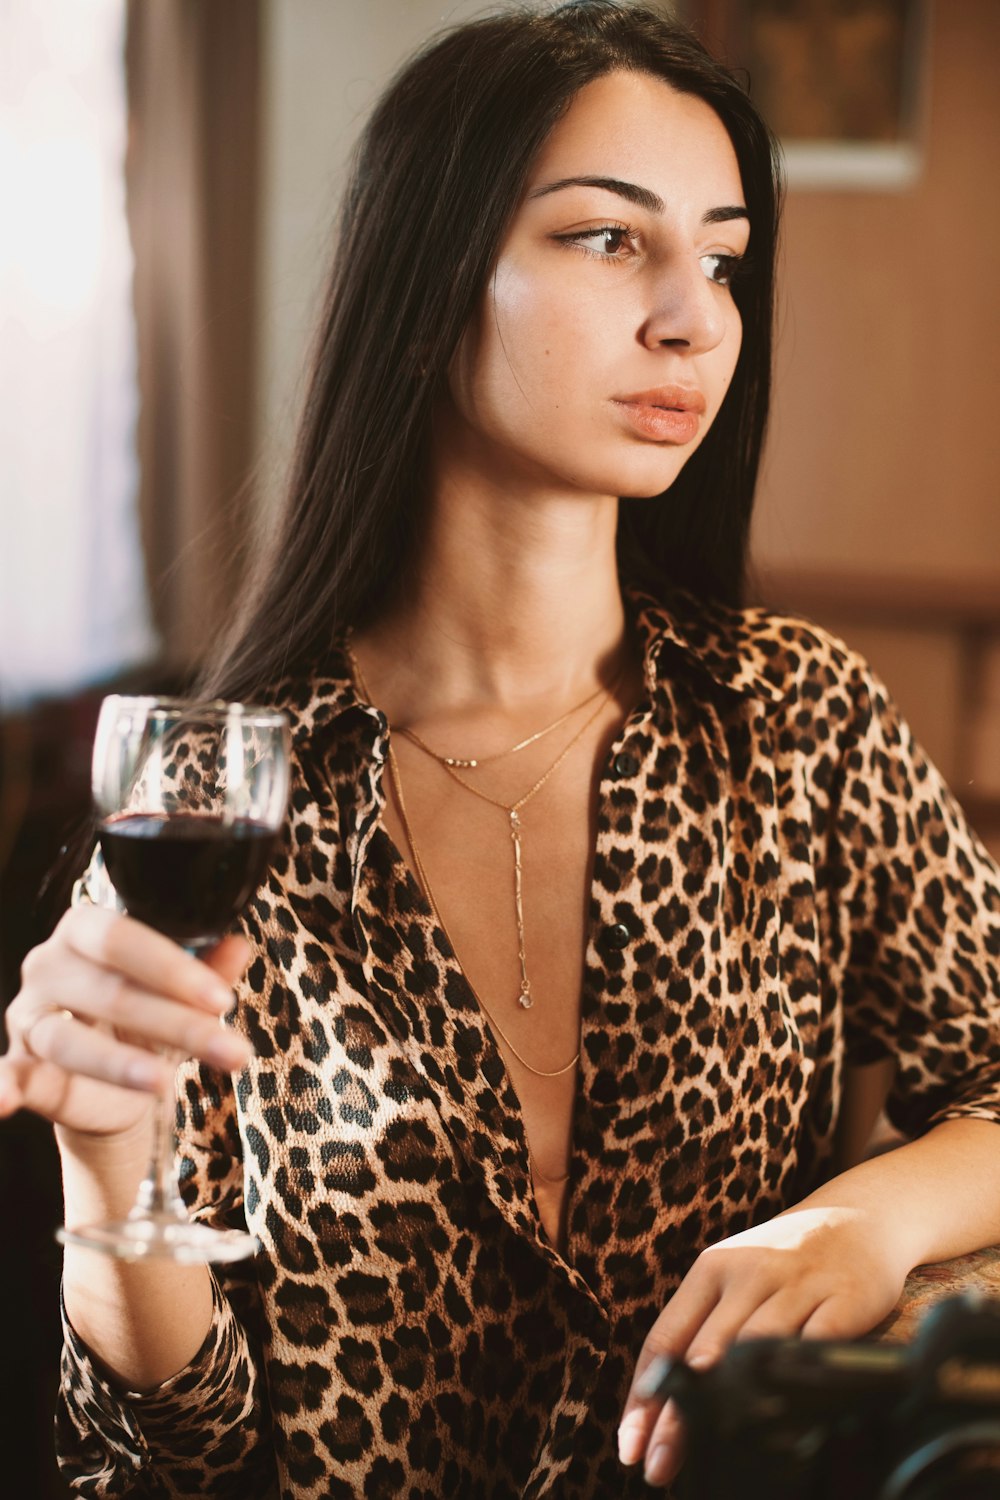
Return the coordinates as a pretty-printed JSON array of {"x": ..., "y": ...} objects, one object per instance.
[{"x": 781, "y": 884}]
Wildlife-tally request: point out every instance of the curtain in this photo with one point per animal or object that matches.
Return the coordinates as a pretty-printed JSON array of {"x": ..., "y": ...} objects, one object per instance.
[{"x": 193, "y": 71}]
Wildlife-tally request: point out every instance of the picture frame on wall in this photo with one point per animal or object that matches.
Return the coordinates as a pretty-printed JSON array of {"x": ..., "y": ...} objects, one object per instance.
[{"x": 843, "y": 83}]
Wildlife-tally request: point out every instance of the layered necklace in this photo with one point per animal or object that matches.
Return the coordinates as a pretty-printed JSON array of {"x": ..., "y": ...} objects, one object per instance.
[{"x": 451, "y": 764}]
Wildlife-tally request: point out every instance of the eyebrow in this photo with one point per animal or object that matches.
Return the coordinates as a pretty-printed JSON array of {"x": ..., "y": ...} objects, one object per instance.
[{"x": 644, "y": 197}]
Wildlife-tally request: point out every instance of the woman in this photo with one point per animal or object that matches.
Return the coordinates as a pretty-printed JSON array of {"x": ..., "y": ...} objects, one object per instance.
[{"x": 551, "y": 990}]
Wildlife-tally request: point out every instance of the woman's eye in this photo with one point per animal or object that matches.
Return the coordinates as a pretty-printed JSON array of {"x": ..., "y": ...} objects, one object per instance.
[
  {"x": 721, "y": 268},
  {"x": 610, "y": 242}
]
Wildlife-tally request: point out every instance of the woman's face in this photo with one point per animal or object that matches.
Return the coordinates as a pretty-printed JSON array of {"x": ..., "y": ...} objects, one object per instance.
[{"x": 607, "y": 335}]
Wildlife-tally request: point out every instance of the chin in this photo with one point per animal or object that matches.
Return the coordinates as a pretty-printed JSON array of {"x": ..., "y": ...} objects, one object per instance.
[
  {"x": 640, "y": 482},
  {"x": 647, "y": 471},
  {"x": 652, "y": 489},
  {"x": 641, "y": 475}
]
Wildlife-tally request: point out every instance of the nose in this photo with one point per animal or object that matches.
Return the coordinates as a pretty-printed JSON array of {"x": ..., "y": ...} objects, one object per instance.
[{"x": 686, "y": 309}]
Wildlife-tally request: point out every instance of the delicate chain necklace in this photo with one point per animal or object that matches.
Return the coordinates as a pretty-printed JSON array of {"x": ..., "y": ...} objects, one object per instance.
[
  {"x": 539, "y": 1073},
  {"x": 525, "y": 998},
  {"x": 484, "y": 760}
]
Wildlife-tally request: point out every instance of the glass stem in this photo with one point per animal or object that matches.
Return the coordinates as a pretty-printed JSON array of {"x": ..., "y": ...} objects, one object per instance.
[{"x": 158, "y": 1191}]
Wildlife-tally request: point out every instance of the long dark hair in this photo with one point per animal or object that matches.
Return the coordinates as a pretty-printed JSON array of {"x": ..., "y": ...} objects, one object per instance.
[{"x": 437, "y": 177}]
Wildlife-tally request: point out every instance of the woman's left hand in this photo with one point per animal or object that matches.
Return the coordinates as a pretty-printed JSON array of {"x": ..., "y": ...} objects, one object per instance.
[{"x": 824, "y": 1273}]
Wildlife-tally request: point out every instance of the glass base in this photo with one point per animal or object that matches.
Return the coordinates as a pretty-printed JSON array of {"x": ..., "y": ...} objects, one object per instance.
[{"x": 163, "y": 1237}]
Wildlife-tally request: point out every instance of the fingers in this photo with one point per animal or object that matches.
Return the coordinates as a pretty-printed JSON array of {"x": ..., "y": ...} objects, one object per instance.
[
  {"x": 781, "y": 1315},
  {"x": 669, "y": 1337},
  {"x": 72, "y": 1046},
  {"x": 99, "y": 999},
  {"x": 697, "y": 1325},
  {"x": 11, "y": 1091},
  {"x": 835, "y": 1319},
  {"x": 751, "y": 1313},
  {"x": 96, "y": 996},
  {"x": 789, "y": 1311},
  {"x": 145, "y": 957},
  {"x": 48, "y": 1090},
  {"x": 796, "y": 1274},
  {"x": 665, "y": 1449},
  {"x": 102, "y": 964},
  {"x": 228, "y": 958}
]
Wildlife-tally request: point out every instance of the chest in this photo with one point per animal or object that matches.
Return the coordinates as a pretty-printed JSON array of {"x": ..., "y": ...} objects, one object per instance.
[
  {"x": 639, "y": 931},
  {"x": 516, "y": 913}
]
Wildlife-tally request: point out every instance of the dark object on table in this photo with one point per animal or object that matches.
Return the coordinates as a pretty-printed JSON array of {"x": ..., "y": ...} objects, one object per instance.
[{"x": 782, "y": 1419}]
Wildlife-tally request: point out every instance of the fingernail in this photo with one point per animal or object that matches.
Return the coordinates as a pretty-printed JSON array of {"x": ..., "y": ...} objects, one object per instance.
[
  {"x": 651, "y": 1377},
  {"x": 146, "y": 1073},
  {"x": 228, "y": 1052},
  {"x": 657, "y": 1465},
  {"x": 218, "y": 993},
  {"x": 630, "y": 1442}
]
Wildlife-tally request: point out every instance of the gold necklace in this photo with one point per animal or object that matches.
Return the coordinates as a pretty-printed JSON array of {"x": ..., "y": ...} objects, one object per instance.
[
  {"x": 481, "y": 760},
  {"x": 426, "y": 884},
  {"x": 484, "y": 760},
  {"x": 512, "y": 811},
  {"x": 525, "y": 999},
  {"x": 538, "y": 1072}
]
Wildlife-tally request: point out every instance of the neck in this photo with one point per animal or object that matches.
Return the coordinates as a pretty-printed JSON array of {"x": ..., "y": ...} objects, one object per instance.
[{"x": 513, "y": 607}]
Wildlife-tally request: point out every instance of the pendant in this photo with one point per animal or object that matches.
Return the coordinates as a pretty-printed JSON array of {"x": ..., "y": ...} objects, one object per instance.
[{"x": 524, "y": 999}]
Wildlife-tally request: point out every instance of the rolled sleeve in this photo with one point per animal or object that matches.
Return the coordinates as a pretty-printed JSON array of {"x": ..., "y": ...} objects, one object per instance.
[
  {"x": 920, "y": 896},
  {"x": 202, "y": 1432},
  {"x": 205, "y": 1431}
]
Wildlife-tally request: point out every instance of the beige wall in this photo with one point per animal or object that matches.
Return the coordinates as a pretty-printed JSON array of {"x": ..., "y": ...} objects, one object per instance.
[
  {"x": 885, "y": 453},
  {"x": 884, "y": 459}
]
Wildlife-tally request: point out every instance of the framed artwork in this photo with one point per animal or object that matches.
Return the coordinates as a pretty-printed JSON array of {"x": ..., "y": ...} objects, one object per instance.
[{"x": 843, "y": 83}]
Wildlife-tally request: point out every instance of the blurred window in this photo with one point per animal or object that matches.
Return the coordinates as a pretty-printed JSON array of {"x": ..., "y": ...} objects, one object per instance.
[{"x": 72, "y": 589}]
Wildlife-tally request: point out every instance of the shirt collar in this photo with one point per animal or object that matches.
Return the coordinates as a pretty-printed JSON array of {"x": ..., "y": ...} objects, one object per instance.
[{"x": 746, "y": 651}]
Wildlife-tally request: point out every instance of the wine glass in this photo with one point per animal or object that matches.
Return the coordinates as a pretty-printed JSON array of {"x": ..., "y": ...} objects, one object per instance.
[{"x": 190, "y": 797}]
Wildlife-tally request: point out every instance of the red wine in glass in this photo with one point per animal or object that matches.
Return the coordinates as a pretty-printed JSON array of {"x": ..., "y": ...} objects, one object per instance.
[
  {"x": 190, "y": 798},
  {"x": 187, "y": 874}
]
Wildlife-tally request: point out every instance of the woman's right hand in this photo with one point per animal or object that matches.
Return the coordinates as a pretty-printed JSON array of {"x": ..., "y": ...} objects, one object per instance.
[{"x": 96, "y": 1002}]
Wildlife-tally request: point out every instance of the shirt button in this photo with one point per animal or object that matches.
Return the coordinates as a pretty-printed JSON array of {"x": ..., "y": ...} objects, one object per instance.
[
  {"x": 618, "y": 935},
  {"x": 625, "y": 764}
]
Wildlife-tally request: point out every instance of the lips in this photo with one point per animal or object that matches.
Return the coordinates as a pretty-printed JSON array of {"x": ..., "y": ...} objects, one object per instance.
[
  {"x": 668, "y": 398},
  {"x": 667, "y": 414}
]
